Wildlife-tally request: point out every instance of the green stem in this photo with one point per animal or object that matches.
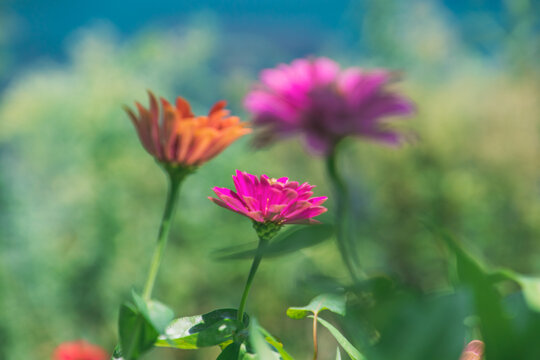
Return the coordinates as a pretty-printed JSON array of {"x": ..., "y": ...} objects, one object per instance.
[
  {"x": 337, "y": 180},
  {"x": 170, "y": 205},
  {"x": 342, "y": 197},
  {"x": 252, "y": 271},
  {"x": 315, "y": 346}
]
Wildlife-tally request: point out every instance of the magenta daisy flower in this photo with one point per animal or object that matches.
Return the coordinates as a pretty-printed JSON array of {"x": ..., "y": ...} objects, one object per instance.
[
  {"x": 314, "y": 97},
  {"x": 267, "y": 200}
]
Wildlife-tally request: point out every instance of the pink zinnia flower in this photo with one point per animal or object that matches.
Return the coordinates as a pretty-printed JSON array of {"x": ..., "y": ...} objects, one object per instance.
[
  {"x": 268, "y": 200},
  {"x": 172, "y": 134},
  {"x": 316, "y": 98},
  {"x": 79, "y": 350}
]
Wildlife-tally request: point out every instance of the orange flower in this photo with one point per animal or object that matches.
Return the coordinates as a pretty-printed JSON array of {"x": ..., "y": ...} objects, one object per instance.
[{"x": 174, "y": 135}]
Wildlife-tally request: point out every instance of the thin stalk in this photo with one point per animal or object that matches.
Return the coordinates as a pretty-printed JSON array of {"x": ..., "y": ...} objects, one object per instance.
[
  {"x": 315, "y": 346},
  {"x": 254, "y": 266},
  {"x": 342, "y": 196},
  {"x": 163, "y": 235}
]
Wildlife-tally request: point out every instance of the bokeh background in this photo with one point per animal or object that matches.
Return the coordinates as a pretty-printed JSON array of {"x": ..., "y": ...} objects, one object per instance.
[{"x": 80, "y": 200}]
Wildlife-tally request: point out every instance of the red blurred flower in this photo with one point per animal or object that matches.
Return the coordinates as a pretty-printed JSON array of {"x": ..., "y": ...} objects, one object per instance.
[{"x": 79, "y": 350}]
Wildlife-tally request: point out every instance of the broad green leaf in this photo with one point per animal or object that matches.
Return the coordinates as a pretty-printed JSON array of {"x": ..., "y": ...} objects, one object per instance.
[
  {"x": 137, "y": 334},
  {"x": 408, "y": 325},
  {"x": 158, "y": 314},
  {"x": 291, "y": 240},
  {"x": 332, "y": 302},
  {"x": 260, "y": 346},
  {"x": 140, "y": 324},
  {"x": 508, "y": 329},
  {"x": 231, "y": 352},
  {"x": 495, "y": 322},
  {"x": 338, "y": 354},
  {"x": 298, "y": 238},
  {"x": 182, "y": 334},
  {"x": 531, "y": 291},
  {"x": 529, "y": 285},
  {"x": 527, "y": 326},
  {"x": 345, "y": 344},
  {"x": 234, "y": 252},
  {"x": 193, "y": 332}
]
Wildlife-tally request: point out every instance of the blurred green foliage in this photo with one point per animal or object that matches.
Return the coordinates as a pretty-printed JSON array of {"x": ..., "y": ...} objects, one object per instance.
[{"x": 80, "y": 200}]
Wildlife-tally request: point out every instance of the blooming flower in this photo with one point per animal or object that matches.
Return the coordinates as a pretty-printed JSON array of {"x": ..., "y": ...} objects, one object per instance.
[
  {"x": 324, "y": 103},
  {"x": 267, "y": 200},
  {"x": 174, "y": 135},
  {"x": 79, "y": 350}
]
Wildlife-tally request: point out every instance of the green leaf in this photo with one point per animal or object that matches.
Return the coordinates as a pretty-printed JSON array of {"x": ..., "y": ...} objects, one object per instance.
[
  {"x": 193, "y": 332},
  {"x": 529, "y": 285},
  {"x": 508, "y": 326},
  {"x": 139, "y": 326},
  {"x": 137, "y": 334},
  {"x": 236, "y": 351},
  {"x": 495, "y": 322},
  {"x": 345, "y": 344},
  {"x": 231, "y": 352},
  {"x": 333, "y": 302},
  {"x": 527, "y": 326},
  {"x": 408, "y": 325},
  {"x": 279, "y": 348},
  {"x": 276, "y": 344},
  {"x": 157, "y": 314},
  {"x": 531, "y": 291},
  {"x": 338, "y": 354},
  {"x": 291, "y": 240},
  {"x": 262, "y": 350}
]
